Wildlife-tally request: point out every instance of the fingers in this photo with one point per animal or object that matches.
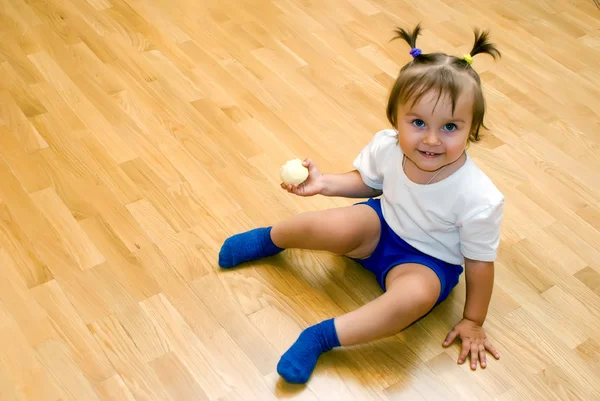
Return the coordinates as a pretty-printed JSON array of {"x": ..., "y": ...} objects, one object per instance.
[
  {"x": 474, "y": 347},
  {"x": 491, "y": 348},
  {"x": 450, "y": 337},
  {"x": 466, "y": 345},
  {"x": 477, "y": 351},
  {"x": 482, "y": 356},
  {"x": 308, "y": 163},
  {"x": 474, "y": 355},
  {"x": 290, "y": 188}
]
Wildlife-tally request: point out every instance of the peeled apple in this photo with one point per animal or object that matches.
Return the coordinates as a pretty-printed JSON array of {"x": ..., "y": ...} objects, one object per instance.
[{"x": 293, "y": 172}]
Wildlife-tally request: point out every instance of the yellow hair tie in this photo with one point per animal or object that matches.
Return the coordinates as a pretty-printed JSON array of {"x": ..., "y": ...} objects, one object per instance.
[{"x": 468, "y": 58}]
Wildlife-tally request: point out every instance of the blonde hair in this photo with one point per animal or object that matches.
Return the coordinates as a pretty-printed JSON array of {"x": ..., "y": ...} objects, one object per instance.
[{"x": 448, "y": 75}]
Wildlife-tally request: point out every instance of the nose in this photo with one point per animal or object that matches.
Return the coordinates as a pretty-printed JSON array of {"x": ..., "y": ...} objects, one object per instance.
[{"x": 431, "y": 138}]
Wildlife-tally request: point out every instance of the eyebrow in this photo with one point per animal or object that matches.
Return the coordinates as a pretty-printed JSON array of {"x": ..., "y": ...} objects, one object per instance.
[{"x": 458, "y": 120}]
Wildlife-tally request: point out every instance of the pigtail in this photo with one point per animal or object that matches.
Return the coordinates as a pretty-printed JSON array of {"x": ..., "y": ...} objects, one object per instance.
[
  {"x": 409, "y": 37},
  {"x": 483, "y": 45}
]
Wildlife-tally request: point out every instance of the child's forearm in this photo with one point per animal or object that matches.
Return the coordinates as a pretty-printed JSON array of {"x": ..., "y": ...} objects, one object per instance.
[
  {"x": 347, "y": 185},
  {"x": 480, "y": 282}
]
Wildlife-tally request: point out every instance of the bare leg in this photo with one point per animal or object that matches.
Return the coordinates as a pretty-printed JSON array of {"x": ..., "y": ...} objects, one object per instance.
[
  {"x": 412, "y": 290},
  {"x": 353, "y": 231}
]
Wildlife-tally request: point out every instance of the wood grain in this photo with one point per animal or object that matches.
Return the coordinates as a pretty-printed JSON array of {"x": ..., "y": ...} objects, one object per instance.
[{"x": 136, "y": 135}]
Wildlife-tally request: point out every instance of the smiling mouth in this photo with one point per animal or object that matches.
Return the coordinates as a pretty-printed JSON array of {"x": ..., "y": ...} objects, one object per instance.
[{"x": 429, "y": 154}]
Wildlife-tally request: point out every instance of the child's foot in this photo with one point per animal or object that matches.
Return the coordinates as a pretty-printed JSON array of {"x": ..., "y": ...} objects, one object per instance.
[
  {"x": 244, "y": 247},
  {"x": 298, "y": 362}
]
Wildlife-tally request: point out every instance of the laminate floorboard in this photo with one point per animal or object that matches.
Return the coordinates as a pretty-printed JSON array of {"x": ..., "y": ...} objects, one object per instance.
[{"x": 137, "y": 135}]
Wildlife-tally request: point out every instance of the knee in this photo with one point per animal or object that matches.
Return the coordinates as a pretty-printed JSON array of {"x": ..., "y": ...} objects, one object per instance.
[
  {"x": 424, "y": 291},
  {"x": 426, "y": 297}
]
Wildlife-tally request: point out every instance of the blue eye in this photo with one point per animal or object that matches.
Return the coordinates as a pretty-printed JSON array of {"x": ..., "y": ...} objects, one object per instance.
[
  {"x": 418, "y": 123},
  {"x": 450, "y": 127}
]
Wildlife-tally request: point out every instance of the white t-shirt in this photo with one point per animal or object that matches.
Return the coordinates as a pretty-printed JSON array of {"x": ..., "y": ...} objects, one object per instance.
[{"x": 454, "y": 218}]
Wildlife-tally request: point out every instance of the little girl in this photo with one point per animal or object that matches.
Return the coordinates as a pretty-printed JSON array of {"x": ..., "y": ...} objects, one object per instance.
[{"x": 429, "y": 211}]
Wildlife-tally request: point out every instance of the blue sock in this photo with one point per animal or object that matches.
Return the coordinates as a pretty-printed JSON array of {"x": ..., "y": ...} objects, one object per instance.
[
  {"x": 298, "y": 362},
  {"x": 244, "y": 247}
]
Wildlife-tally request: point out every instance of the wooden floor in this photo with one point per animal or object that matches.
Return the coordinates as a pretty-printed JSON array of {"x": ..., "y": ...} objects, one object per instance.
[{"x": 136, "y": 135}]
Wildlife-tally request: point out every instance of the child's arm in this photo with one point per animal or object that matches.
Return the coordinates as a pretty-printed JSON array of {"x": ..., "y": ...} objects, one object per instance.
[
  {"x": 480, "y": 281},
  {"x": 347, "y": 185}
]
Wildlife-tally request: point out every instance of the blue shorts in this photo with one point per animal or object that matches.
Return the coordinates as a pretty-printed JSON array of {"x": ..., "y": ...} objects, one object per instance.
[{"x": 392, "y": 251}]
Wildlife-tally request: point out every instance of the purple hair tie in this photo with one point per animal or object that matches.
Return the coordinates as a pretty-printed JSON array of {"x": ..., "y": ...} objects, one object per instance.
[{"x": 415, "y": 52}]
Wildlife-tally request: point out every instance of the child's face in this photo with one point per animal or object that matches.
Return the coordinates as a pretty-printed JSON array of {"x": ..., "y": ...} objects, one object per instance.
[{"x": 430, "y": 135}]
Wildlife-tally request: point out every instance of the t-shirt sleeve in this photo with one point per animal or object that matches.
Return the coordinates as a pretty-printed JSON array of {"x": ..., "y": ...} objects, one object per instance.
[
  {"x": 368, "y": 161},
  {"x": 480, "y": 234}
]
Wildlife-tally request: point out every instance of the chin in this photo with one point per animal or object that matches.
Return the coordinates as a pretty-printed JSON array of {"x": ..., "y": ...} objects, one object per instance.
[{"x": 430, "y": 167}]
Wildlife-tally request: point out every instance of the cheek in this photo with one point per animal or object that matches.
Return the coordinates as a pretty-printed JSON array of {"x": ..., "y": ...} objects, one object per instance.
[
  {"x": 456, "y": 143},
  {"x": 406, "y": 140}
]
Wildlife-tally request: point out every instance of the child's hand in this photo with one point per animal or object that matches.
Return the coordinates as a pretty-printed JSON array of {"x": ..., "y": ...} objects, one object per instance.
[
  {"x": 474, "y": 340},
  {"x": 313, "y": 184}
]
